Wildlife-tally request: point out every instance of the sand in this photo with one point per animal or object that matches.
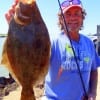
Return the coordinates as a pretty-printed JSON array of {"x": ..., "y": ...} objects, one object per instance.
[{"x": 15, "y": 94}]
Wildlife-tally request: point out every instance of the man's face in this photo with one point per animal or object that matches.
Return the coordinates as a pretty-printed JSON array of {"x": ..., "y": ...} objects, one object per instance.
[{"x": 74, "y": 19}]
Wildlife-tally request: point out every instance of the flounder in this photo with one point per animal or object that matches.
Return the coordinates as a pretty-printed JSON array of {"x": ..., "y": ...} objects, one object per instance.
[{"x": 26, "y": 51}]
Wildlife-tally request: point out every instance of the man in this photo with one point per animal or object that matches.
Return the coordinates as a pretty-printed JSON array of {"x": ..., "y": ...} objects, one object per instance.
[{"x": 63, "y": 80}]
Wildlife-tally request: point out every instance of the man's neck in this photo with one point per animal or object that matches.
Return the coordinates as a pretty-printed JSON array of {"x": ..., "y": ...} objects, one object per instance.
[{"x": 74, "y": 36}]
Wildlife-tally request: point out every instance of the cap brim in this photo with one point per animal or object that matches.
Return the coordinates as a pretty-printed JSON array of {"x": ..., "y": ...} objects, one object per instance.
[{"x": 71, "y": 6}]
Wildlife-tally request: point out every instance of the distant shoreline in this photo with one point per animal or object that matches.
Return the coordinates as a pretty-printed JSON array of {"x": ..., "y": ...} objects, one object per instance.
[
  {"x": 3, "y": 70},
  {"x": 3, "y": 35}
]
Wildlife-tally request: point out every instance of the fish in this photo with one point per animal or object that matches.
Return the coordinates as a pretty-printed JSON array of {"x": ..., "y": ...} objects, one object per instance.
[{"x": 26, "y": 51}]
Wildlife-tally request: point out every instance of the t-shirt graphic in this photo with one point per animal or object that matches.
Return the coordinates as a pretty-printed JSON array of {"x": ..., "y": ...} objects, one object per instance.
[{"x": 68, "y": 59}]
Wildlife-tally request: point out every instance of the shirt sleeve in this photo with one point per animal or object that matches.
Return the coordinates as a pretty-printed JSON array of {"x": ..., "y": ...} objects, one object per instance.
[{"x": 96, "y": 61}]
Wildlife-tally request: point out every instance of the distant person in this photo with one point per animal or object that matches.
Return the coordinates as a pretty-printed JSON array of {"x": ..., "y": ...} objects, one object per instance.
[{"x": 98, "y": 48}]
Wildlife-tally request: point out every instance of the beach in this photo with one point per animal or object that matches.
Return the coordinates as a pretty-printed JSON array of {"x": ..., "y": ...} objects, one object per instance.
[{"x": 15, "y": 94}]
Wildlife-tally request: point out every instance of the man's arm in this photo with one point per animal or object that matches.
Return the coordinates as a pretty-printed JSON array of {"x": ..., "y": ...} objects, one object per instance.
[{"x": 93, "y": 85}]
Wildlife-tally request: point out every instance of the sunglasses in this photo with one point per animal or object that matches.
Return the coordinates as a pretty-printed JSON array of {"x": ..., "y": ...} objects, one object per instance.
[{"x": 70, "y": 2}]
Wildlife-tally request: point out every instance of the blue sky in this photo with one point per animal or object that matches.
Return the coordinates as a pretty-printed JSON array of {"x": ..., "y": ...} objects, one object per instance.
[{"x": 49, "y": 9}]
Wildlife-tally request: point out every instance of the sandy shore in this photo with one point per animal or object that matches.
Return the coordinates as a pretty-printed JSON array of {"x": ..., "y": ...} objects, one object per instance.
[{"x": 15, "y": 95}]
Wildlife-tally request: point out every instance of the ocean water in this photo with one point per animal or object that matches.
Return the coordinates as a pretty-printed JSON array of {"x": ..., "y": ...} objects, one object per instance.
[{"x": 3, "y": 70}]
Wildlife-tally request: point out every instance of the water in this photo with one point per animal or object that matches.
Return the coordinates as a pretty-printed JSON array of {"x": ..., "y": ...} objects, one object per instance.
[{"x": 3, "y": 70}]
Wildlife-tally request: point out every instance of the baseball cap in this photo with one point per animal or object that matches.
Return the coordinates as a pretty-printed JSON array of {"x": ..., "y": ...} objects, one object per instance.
[{"x": 67, "y": 4}]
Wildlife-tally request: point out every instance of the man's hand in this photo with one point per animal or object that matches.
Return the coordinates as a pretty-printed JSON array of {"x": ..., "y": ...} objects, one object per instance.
[
  {"x": 11, "y": 12},
  {"x": 92, "y": 97}
]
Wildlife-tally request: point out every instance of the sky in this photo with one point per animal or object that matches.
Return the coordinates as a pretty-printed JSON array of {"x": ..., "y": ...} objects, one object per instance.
[{"x": 49, "y": 10}]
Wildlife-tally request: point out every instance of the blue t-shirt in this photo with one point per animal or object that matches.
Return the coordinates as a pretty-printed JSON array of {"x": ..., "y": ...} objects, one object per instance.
[{"x": 63, "y": 81}]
